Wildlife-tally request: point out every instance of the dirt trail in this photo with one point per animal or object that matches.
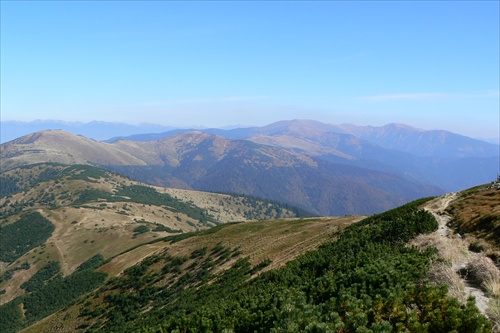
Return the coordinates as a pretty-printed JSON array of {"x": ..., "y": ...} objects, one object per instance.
[{"x": 438, "y": 208}]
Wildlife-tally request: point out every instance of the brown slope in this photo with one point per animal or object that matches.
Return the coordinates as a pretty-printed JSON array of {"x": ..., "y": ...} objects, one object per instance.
[
  {"x": 313, "y": 147},
  {"x": 476, "y": 215},
  {"x": 62, "y": 147},
  {"x": 173, "y": 150},
  {"x": 198, "y": 146}
]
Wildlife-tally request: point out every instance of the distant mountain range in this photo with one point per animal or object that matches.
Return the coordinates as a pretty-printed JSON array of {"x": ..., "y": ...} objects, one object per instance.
[
  {"x": 400, "y": 137},
  {"x": 111, "y": 131},
  {"x": 97, "y": 130},
  {"x": 326, "y": 169}
]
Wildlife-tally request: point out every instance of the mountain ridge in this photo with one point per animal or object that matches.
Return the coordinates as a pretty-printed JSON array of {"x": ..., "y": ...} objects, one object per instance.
[
  {"x": 98, "y": 130},
  {"x": 198, "y": 160},
  {"x": 341, "y": 160},
  {"x": 63, "y": 147},
  {"x": 391, "y": 136}
]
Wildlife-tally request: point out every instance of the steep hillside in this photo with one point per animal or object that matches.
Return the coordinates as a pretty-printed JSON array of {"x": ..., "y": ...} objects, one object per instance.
[
  {"x": 83, "y": 216},
  {"x": 289, "y": 274},
  {"x": 68, "y": 214},
  {"x": 363, "y": 277},
  {"x": 267, "y": 244}
]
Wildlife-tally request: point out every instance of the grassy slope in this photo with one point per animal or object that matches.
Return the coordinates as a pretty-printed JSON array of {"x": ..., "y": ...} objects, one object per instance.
[
  {"x": 279, "y": 241},
  {"x": 476, "y": 215}
]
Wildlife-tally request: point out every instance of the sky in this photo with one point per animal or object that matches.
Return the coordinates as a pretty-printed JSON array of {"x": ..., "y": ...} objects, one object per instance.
[{"x": 428, "y": 64}]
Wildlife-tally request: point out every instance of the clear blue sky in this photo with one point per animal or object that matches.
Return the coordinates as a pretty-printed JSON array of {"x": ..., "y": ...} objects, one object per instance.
[{"x": 433, "y": 65}]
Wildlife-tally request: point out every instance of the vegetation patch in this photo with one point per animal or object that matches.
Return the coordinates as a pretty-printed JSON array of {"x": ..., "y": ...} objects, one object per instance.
[
  {"x": 30, "y": 231},
  {"x": 93, "y": 263},
  {"x": 10, "y": 272},
  {"x": 87, "y": 173},
  {"x": 161, "y": 227},
  {"x": 269, "y": 207},
  {"x": 8, "y": 186},
  {"x": 140, "y": 230},
  {"x": 147, "y": 196},
  {"x": 38, "y": 281}
]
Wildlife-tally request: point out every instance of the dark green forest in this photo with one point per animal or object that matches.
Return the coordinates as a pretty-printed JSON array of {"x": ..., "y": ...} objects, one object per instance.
[
  {"x": 39, "y": 279},
  {"x": 367, "y": 280},
  {"x": 28, "y": 232}
]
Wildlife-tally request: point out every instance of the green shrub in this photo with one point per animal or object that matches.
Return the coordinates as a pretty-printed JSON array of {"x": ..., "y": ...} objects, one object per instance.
[{"x": 140, "y": 230}]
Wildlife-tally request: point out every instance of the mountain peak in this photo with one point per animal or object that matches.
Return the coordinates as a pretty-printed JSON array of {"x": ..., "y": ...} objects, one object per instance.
[
  {"x": 46, "y": 135},
  {"x": 399, "y": 126},
  {"x": 195, "y": 135},
  {"x": 59, "y": 146}
]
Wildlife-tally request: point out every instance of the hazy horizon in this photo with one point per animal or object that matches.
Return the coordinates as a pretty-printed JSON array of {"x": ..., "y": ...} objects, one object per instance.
[
  {"x": 126, "y": 129},
  {"x": 430, "y": 65}
]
